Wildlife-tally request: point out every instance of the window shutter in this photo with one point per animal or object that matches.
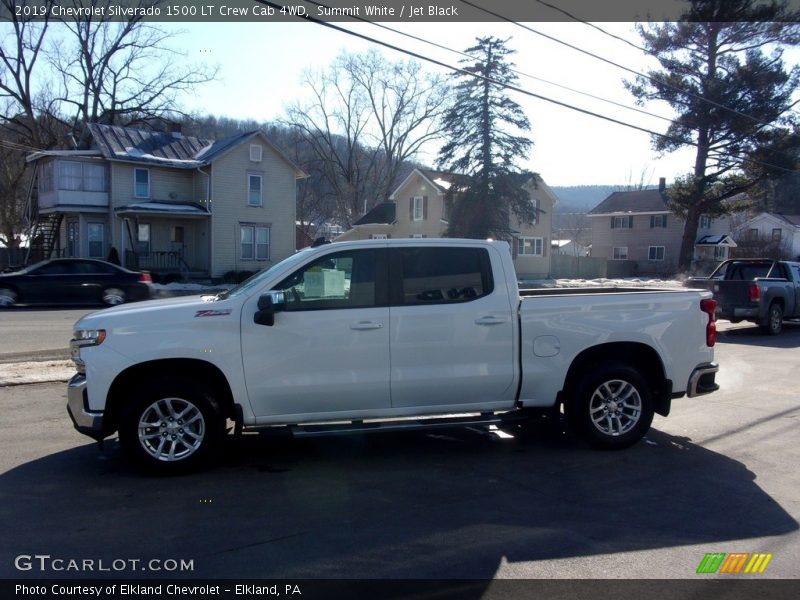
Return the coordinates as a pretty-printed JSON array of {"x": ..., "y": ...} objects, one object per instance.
[
  {"x": 424, "y": 208},
  {"x": 612, "y": 222},
  {"x": 411, "y": 208},
  {"x": 544, "y": 246},
  {"x": 630, "y": 222},
  {"x": 664, "y": 221}
]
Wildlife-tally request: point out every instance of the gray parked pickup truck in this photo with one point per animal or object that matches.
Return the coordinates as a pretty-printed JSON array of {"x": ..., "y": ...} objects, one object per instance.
[{"x": 760, "y": 290}]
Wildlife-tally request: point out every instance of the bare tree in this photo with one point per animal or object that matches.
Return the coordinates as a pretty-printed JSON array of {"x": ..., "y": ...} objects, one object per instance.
[
  {"x": 365, "y": 119},
  {"x": 118, "y": 72}
]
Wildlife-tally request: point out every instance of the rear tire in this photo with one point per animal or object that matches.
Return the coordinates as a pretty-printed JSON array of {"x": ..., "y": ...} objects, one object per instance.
[
  {"x": 774, "y": 322},
  {"x": 8, "y": 297},
  {"x": 170, "y": 426},
  {"x": 113, "y": 296},
  {"x": 611, "y": 406}
]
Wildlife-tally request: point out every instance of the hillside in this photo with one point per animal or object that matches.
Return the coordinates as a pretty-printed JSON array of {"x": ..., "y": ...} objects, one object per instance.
[{"x": 582, "y": 198}]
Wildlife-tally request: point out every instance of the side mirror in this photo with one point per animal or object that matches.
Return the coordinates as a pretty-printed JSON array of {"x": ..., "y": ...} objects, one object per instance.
[{"x": 268, "y": 305}]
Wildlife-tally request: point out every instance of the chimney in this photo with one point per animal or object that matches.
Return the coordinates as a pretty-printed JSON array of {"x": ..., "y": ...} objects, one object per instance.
[{"x": 662, "y": 184}]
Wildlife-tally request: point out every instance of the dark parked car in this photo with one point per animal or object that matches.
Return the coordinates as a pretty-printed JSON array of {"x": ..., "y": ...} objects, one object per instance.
[{"x": 74, "y": 281}]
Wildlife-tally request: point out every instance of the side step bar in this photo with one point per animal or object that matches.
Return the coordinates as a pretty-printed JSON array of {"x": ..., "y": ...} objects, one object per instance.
[{"x": 317, "y": 430}]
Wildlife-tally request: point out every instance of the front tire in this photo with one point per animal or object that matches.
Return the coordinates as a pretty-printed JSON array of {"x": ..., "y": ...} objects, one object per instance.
[
  {"x": 171, "y": 426},
  {"x": 611, "y": 406},
  {"x": 774, "y": 322}
]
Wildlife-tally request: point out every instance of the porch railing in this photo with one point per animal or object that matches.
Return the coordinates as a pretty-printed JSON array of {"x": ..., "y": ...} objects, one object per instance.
[{"x": 166, "y": 261}]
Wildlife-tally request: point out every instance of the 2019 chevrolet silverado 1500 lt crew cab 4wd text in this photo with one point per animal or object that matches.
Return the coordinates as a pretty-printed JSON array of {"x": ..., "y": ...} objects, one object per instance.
[{"x": 385, "y": 334}]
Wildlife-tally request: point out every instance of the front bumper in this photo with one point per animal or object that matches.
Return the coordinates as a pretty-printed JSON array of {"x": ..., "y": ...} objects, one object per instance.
[
  {"x": 86, "y": 421},
  {"x": 701, "y": 381}
]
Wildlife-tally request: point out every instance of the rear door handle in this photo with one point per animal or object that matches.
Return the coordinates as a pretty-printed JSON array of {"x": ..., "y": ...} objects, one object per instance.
[
  {"x": 365, "y": 325},
  {"x": 490, "y": 320}
]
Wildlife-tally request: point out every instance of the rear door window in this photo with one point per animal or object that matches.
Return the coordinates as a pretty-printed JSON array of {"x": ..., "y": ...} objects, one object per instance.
[{"x": 442, "y": 275}]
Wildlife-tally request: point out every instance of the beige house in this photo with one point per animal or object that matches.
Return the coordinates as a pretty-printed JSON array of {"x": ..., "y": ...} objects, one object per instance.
[
  {"x": 166, "y": 202},
  {"x": 638, "y": 228},
  {"x": 418, "y": 208}
]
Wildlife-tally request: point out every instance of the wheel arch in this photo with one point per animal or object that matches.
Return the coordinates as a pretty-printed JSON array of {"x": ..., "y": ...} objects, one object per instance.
[
  {"x": 194, "y": 369},
  {"x": 642, "y": 357}
]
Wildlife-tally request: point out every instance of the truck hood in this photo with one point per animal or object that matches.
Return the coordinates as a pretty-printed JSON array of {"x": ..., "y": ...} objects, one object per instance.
[{"x": 162, "y": 312}]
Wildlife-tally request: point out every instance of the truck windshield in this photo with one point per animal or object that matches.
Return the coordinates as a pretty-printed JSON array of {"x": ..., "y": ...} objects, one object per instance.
[{"x": 256, "y": 280}]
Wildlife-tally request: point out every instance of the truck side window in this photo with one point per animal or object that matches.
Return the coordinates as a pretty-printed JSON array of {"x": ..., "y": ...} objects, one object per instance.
[
  {"x": 334, "y": 281},
  {"x": 444, "y": 275}
]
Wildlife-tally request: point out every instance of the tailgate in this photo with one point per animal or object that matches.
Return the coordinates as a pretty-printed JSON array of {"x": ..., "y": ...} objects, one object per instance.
[{"x": 730, "y": 295}]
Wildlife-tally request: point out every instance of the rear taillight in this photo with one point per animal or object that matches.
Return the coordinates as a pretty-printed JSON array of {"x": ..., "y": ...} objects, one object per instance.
[
  {"x": 709, "y": 306},
  {"x": 755, "y": 292},
  {"x": 145, "y": 278}
]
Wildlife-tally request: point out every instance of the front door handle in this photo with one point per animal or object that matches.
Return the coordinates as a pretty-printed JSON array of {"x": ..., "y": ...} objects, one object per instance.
[
  {"x": 365, "y": 325},
  {"x": 490, "y": 320}
]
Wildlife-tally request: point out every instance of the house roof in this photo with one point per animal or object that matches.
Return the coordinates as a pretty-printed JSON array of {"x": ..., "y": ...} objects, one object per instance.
[
  {"x": 716, "y": 240},
  {"x": 791, "y": 219},
  {"x": 162, "y": 207},
  {"x": 777, "y": 218},
  {"x": 383, "y": 213},
  {"x": 170, "y": 149},
  {"x": 638, "y": 201},
  {"x": 146, "y": 146}
]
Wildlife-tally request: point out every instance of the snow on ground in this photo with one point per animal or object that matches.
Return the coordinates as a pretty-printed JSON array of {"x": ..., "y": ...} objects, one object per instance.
[
  {"x": 36, "y": 372},
  {"x": 628, "y": 282}
]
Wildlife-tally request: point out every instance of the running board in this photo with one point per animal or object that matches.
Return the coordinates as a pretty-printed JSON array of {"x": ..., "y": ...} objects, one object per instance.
[{"x": 317, "y": 430}]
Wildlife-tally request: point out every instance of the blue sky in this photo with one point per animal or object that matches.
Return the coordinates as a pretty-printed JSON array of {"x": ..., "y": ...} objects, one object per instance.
[{"x": 261, "y": 67}]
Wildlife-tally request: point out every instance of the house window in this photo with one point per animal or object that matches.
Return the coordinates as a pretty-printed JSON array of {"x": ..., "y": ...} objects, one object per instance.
[
  {"x": 71, "y": 174},
  {"x": 254, "y": 242},
  {"x": 46, "y": 175},
  {"x": 752, "y": 235},
  {"x": 654, "y": 253},
  {"x": 535, "y": 205},
  {"x": 73, "y": 239},
  {"x": 96, "y": 240},
  {"x": 622, "y": 222},
  {"x": 658, "y": 221},
  {"x": 177, "y": 234},
  {"x": 419, "y": 209},
  {"x": 254, "y": 190},
  {"x": 705, "y": 222},
  {"x": 94, "y": 178},
  {"x": 620, "y": 253},
  {"x": 141, "y": 183},
  {"x": 417, "y": 236},
  {"x": 776, "y": 235},
  {"x": 378, "y": 236},
  {"x": 529, "y": 246},
  {"x": 143, "y": 239},
  {"x": 255, "y": 152},
  {"x": 720, "y": 253}
]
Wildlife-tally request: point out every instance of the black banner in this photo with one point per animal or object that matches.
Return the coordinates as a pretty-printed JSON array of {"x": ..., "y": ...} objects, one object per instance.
[
  {"x": 409, "y": 11},
  {"x": 503, "y": 589}
]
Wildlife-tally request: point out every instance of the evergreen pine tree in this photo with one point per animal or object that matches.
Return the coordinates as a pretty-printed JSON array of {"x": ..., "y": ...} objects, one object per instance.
[
  {"x": 482, "y": 145},
  {"x": 722, "y": 73}
]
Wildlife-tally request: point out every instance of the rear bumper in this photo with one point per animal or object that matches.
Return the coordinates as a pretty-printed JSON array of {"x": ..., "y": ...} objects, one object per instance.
[
  {"x": 701, "y": 381},
  {"x": 86, "y": 421}
]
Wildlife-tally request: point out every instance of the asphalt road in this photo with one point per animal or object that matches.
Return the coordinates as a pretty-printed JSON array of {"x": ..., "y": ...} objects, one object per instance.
[
  {"x": 30, "y": 333},
  {"x": 719, "y": 475}
]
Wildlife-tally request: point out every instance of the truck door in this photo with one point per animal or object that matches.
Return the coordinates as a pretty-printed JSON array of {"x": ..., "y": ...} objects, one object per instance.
[
  {"x": 451, "y": 329},
  {"x": 328, "y": 351}
]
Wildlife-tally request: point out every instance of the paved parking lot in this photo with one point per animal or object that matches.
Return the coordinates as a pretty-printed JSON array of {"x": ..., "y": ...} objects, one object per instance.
[{"x": 719, "y": 475}]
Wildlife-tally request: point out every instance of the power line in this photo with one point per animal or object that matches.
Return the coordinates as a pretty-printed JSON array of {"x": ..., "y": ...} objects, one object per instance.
[
  {"x": 533, "y": 77},
  {"x": 517, "y": 89},
  {"x": 611, "y": 62}
]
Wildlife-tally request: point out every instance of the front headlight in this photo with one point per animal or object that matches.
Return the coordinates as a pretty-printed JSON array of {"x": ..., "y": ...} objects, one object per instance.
[
  {"x": 89, "y": 337},
  {"x": 82, "y": 338}
]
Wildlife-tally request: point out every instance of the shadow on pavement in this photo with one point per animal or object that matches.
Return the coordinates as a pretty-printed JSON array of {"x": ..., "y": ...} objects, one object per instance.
[
  {"x": 752, "y": 336},
  {"x": 450, "y": 504}
]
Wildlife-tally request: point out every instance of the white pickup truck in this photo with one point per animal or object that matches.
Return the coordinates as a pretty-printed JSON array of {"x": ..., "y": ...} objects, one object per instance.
[{"x": 385, "y": 334}]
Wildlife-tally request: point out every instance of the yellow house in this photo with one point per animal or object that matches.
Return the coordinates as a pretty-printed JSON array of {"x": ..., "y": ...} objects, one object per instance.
[{"x": 418, "y": 209}]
